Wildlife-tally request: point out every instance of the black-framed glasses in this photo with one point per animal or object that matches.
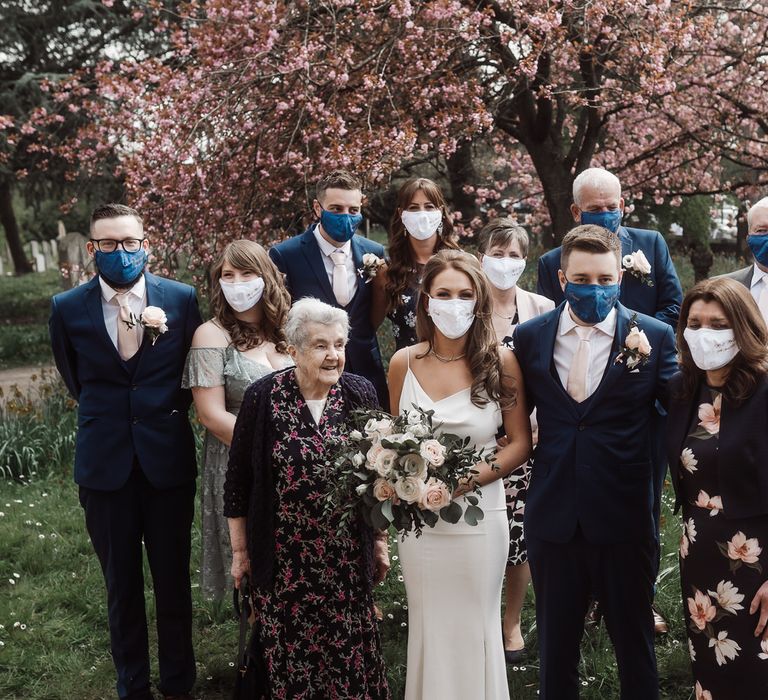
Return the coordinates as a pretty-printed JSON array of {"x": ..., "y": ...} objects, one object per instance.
[{"x": 108, "y": 245}]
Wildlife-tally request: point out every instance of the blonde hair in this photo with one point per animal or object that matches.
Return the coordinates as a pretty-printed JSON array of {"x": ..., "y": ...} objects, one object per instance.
[{"x": 482, "y": 346}]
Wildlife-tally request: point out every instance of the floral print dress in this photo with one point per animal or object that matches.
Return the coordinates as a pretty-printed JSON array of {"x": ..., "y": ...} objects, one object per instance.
[
  {"x": 317, "y": 624},
  {"x": 403, "y": 316},
  {"x": 723, "y": 562}
]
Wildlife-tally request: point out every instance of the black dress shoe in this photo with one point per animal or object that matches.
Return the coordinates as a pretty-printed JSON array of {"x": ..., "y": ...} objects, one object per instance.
[{"x": 515, "y": 656}]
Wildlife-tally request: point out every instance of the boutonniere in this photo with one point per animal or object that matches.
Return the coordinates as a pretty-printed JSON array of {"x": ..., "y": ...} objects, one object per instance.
[
  {"x": 637, "y": 265},
  {"x": 152, "y": 319},
  {"x": 636, "y": 350},
  {"x": 371, "y": 265}
]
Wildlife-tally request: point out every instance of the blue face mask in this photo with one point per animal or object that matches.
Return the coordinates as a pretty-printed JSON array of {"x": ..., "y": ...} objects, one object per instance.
[
  {"x": 119, "y": 267},
  {"x": 591, "y": 302},
  {"x": 610, "y": 219},
  {"x": 759, "y": 247},
  {"x": 340, "y": 227}
]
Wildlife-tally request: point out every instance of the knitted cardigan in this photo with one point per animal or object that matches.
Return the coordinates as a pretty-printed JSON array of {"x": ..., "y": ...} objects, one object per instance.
[{"x": 249, "y": 489}]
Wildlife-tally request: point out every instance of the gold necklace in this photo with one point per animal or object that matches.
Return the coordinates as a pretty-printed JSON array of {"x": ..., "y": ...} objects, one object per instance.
[{"x": 446, "y": 359}]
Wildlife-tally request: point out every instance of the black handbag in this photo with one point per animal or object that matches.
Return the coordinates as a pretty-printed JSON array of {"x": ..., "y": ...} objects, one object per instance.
[{"x": 252, "y": 680}]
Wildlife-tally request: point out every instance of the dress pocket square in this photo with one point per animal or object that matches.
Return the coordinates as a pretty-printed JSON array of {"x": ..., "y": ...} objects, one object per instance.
[{"x": 634, "y": 371}]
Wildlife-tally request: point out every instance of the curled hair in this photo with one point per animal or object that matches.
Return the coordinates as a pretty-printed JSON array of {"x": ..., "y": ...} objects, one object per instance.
[
  {"x": 275, "y": 301},
  {"x": 310, "y": 310},
  {"x": 749, "y": 330},
  {"x": 482, "y": 346},
  {"x": 402, "y": 266},
  {"x": 502, "y": 232}
]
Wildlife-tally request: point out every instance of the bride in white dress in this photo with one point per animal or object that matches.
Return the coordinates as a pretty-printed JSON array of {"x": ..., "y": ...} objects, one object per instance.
[{"x": 454, "y": 573}]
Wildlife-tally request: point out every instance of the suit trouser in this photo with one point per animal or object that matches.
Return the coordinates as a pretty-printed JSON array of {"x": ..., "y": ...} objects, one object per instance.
[
  {"x": 118, "y": 522},
  {"x": 621, "y": 575}
]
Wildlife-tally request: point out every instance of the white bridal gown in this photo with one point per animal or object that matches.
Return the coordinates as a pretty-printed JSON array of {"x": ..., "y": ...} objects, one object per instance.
[{"x": 454, "y": 573}]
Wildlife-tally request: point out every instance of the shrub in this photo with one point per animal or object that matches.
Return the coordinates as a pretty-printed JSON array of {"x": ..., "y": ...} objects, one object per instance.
[{"x": 37, "y": 430}]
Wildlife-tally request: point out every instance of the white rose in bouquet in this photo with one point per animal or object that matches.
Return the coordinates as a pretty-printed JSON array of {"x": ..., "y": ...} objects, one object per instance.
[
  {"x": 414, "y": 465},
  {"x": 433, "y": 452},
  {"x": 410, "y": 489},
  {"x": 378, "y": 428},
  {"x": 385, "y": 462}
]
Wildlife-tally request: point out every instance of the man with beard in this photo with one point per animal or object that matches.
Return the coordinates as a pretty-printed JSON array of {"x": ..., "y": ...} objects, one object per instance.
[{"x": 120, "y": 342}]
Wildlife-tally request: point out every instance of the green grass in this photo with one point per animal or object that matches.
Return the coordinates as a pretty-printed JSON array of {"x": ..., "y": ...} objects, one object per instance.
[{"x": 54, "y": 642}]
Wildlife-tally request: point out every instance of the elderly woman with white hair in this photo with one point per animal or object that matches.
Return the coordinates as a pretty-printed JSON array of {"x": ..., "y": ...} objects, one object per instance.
[{"x": 311, "y": 578}]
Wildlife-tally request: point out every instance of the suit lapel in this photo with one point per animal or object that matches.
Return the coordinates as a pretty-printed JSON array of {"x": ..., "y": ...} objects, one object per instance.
[
  {"x": 626, "y": 249},
  {"x": 96, "y": 313},
  {"x": 548, "y": 338},
  {"x": 155, "y": 297},
  {"x": 614, "y": 369},
  {"x": 314, "y": 258}
]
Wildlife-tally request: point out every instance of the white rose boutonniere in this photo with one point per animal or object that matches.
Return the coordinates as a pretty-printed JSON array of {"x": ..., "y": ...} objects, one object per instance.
[
  {"x": 637, "y": 265},
  {"x": 371, "y": 265},
  {"x": 154, "y": 321},
  {"x": 636, "y": 350}
]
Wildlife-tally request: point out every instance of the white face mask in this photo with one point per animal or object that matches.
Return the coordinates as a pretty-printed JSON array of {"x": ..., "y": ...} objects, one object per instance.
[
  {"x": 503, "y": 272},
  {"x": 242, "y": 296},
  {"x": 453, "y": 317},
  {"x": 711, "y": 349},
  {"x": 422, "y": 224}
]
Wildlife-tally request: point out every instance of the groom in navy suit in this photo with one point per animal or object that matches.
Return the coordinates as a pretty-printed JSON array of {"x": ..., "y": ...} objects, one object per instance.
[
  {"x": 594, "y": 371},
  {"x": 120, "y": 342},
  {"x": 326, "y": 262}
]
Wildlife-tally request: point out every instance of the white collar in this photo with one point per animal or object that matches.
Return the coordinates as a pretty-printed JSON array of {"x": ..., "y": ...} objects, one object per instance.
[
  {"x": 757, "y": 275},
  {"x": 137, "y": 290},
  {"x": 606, "y": 326},
  {"x": 327, "y": 248}
]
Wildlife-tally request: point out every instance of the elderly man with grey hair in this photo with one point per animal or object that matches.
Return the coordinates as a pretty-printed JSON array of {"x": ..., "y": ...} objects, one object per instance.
[
  {"x": 650, "y": 286},
  {"x": 755, "y": 276},
  {"x": 311, "y": 575}
]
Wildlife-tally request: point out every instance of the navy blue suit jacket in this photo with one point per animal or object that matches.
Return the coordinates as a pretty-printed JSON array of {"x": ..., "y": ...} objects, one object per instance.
[
  {"x": 300, "y": 260},
  {"x": 662, "y": 300},
  {"x": 133, "y": 411},
  {"x": 592, "y": 466}
]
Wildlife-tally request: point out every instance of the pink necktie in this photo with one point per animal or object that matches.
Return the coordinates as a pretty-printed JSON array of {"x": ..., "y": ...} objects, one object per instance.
[
  {"x": 763, "y": 301},
  {"x": 340, "y": 282},
  {"x": 127, "y": 338},
  {"x": 577, "y": 376}
]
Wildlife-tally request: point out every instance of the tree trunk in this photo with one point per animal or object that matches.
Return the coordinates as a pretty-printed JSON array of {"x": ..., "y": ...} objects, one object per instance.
[
  {"x": 461, "y": 172},
  {"x": 741, "y": 232},
  {"x": 21, "y": 265},
  {"x": 557, "y": 183}
]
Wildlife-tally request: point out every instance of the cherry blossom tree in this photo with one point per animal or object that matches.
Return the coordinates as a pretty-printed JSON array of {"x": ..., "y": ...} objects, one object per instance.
[{"x": 224, "y": 135}]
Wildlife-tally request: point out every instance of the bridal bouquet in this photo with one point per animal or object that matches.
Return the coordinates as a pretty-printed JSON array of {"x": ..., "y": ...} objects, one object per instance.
[{"x": 399, "y": 471}]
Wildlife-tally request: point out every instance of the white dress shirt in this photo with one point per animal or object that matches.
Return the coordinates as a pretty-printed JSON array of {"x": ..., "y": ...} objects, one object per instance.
[
  {"x": 759, "y": 282},
  {"x": 326, "y": 249},
  {"x": 137, "y": 302},
  {"x": 600, "y": 344}
]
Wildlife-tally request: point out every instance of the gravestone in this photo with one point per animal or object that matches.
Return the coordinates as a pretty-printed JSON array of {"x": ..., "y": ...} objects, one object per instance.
[
  {"x": 37, "y": 256},
  {"x": 74, "y": 262}
]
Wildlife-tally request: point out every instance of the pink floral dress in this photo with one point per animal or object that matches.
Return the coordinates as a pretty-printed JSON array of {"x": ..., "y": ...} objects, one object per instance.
[
  {"x": 318, "y": 628},
  {"x": 723, "y": 562}
]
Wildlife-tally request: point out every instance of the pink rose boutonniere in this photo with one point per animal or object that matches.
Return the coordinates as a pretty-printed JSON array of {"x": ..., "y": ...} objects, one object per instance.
[
  {"x": 637, "y": 265},
  {"x": 372, "y": 263},
  {"x": 154, "y": 321},
  {"x": 636, "y": 350}
]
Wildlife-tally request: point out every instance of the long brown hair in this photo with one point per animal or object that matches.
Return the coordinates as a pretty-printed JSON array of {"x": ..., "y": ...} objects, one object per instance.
[
  {"x": 749, "y": 330},
  {"x": 482, "y": 346},
  {"x": 275, "y": 301},
  {"x": 402, "y": 266}
]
